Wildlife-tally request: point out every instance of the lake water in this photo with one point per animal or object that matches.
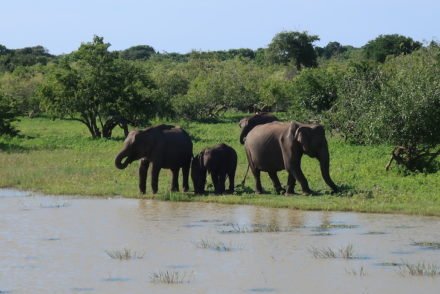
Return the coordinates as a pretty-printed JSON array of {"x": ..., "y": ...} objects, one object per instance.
[{"x": 61, "y": 245}]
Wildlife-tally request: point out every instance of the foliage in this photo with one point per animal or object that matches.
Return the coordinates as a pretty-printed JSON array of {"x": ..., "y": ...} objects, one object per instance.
[
  {"x": 11, "y": 59},
  {"x": 397, "y": 103},
  {"x": 226, "y": 85},
  {"x": 21, "y": 85},
  {"x": 315, "y": 90},
  {"x": 385, "y": 45},
  {"x": 8, "y": 115},
  {"x": 293, "y": 47},
  {"x": 96, "y": 88},
  {"x": 139, "y": 52},
  {"x": 330, "y": 50}
]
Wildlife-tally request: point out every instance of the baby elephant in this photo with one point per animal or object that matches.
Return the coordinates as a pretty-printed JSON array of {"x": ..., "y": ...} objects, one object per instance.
[{"x": 219, "y": 160}]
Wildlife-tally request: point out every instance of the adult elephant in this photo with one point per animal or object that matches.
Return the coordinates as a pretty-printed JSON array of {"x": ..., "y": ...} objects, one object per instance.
[
  {"x": 221, "y": 162},
  {"x": 276, "y": 146},
  {"x": 164, "y": 146},
  {"x": 248, "y": 123}
]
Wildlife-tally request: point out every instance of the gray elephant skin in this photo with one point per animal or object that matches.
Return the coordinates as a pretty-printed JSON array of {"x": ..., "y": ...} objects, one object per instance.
[
  {"x": 221, "y": 162},
  {"x": 276, "y": 146},
  {"x": 162, "y": 146}
]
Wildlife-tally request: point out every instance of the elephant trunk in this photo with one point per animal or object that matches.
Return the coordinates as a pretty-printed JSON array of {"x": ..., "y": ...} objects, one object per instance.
[
  {"x": 324, "y": 160},
  {"x": 119, "y": 160}
]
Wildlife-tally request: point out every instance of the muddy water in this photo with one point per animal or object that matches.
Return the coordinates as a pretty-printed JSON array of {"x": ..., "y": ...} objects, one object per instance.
[{"x": 59, "y": 245}]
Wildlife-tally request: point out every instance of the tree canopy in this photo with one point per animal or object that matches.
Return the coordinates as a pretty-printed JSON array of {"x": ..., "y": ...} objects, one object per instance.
[
  {"x": 96, "y": 88},
  {"x": 293, "y": 47},
  {"x": 386, "y": 45}
]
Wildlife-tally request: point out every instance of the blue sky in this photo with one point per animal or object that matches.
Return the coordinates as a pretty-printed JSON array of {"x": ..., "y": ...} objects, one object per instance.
[{"x": 181, "y": 26}]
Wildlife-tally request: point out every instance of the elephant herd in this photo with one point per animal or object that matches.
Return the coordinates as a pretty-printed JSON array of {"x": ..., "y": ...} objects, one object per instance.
[{"x": 270, "y": 146}]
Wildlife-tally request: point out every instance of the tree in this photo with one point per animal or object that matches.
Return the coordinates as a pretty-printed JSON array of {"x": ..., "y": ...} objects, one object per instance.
[
  {"x": 331, "y": 49},
  {"x": 140, "y": 52},
  {"x": 385, "y": 45},
  {"x": 293, "y": 47},
  {"x": 8, "y": 115},
  {"x": 100, "y": 90},
  {"x": 315, "y": 89},
  {"x": 21, "y": 85}
]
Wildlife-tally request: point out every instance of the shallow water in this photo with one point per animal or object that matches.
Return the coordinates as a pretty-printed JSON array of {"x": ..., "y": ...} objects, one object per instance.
[{"x": 58, "y": 245}]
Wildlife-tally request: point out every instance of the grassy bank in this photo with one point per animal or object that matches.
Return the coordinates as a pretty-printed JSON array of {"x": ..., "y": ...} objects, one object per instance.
[{"x": 58, "y": 157}]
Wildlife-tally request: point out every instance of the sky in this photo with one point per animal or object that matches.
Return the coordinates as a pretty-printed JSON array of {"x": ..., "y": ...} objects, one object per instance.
[{"x": 207, "y": 25}]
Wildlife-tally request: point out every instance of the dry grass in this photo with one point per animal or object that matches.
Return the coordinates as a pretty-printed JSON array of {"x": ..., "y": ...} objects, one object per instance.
[
  {"x": 420, "y": 269},
  {"x": 346, "y": 252},
  {"x": 124, "y": 254},
  {"x": 170, "y": 277}
]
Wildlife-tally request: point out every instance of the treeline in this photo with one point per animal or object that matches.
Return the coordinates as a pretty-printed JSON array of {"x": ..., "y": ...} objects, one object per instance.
[{"x": 387, "y": 91}]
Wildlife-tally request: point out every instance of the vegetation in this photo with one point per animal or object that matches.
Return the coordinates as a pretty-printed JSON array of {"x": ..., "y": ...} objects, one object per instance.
[
  {"x": 171, "y": 277},
  {"x": 124, "y": 254},
  {"x": 377, "y": 100}
]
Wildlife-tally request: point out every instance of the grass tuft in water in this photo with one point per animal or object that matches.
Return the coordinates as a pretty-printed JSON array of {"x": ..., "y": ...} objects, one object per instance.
[
  {"x": 346, "y": 252},
  {"x": 255, "y": 228},
  {"x": 124, "y": 254},
  {"x": 428, "y": 245},
  {"x": 419, "y": 269},
  {"x": 214, "y": 245},
  {"x": 170, "y": 277},
  {"x": 360, "y": 273}
]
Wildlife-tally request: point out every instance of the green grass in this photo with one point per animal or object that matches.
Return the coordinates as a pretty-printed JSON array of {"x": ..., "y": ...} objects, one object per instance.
[{"x": 59, "y": 157}]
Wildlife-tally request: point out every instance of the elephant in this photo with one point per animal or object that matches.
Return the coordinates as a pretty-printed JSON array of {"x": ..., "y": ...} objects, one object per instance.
[
  {"x": 164, "y": 146},
  {"x": 248, "y": 123},
  {"x": 275, "y": 146},
  {"x": 220, "y": 161}
]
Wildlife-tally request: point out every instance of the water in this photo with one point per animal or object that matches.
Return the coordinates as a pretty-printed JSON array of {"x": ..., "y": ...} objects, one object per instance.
[{"x": 58, "y": 245}]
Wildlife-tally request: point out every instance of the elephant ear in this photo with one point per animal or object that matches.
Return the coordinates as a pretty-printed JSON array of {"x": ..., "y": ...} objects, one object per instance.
[{"x": 303, "y": 137}]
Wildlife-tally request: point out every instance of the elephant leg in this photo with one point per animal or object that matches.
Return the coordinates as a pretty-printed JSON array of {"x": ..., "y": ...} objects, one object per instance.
[
  {"x": 291, "y": 184},
  {"x": 231, "y": 177},
  {"x": 299, "y": 176},
  {"x": 185, "y": 173},
  {"x": 257, "y": 176},
  {"x": 276, "y": 182},
  {"x": 175, "y": 180},
  {"x": 155, "y": 170},
  {"x": 143, "y": 171},
  {"x": 215, "y": 181},
  {"x": 221, "y": 182}
]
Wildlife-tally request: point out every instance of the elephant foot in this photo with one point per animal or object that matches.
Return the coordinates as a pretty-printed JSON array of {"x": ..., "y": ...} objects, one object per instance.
[
  {"x": 281, "y": 191},
  {"x": 290, "y": 193},
  {"x": 308, "y": 193},
  {"x": 185, "y": 189}
]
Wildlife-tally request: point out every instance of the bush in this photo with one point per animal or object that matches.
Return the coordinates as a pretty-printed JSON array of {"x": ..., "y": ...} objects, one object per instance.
[
  {"x": 397, "y": 103},
  {"x": 8, "y": 114}
]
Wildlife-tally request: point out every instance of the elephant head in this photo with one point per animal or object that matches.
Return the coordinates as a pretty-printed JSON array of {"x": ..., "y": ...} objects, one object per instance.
[
  {"x": 139, "y": 144},
  {"x": 198, "y": 173},
  {"x": 248, "y": 123},
  {"x": 311, "y": 140}
]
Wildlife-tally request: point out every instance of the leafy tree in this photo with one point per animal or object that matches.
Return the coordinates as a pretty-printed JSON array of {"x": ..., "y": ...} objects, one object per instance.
[
  {"x": 315, "y": 89},
  {"x": 222, "y": 86},
  {"x": 10, "y": 59},
  {"x": 293, "y": 47},
  {"x": 330, "y": 50},
  {"x": 385, "y": 45},
  {"x": 140, "y": 52},
  {"x": 7, "y": 115},
  {"x": 22, "y": 85},
  {"x": 391, "y": 104},
  {"x": 100, "y": 90}
]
